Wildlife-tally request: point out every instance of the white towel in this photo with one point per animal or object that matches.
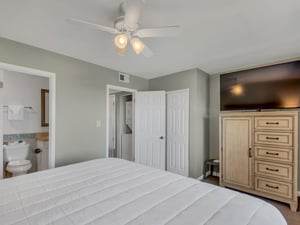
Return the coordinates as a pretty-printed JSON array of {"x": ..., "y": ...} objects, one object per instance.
[{"x": 15, "y": 112}]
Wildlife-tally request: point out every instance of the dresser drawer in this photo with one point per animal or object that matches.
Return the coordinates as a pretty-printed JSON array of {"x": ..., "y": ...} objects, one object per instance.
[
  {"x": 278, "y": 154},
  {"x": 275, "y": 170},
  {"x": 274, "y": 123},
  {"x": 272, "y": 138},
  {"x": 273, "y": 187}
]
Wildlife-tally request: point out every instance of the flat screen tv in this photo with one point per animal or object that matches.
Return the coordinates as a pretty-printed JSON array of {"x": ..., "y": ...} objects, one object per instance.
[{"x": 270, "y": 87}]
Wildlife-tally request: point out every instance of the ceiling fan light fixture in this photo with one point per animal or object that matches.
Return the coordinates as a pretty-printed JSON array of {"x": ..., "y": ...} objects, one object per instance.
[
  {"x": 126, "y": 28},
  {"x": 137, "y": 45},
  {"x": 121, "y": 51},
  {"x": 121, "y": 41}
]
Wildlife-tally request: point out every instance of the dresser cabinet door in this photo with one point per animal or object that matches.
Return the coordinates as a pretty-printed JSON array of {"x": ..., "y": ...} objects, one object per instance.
[{"x": 237, "y": 152}]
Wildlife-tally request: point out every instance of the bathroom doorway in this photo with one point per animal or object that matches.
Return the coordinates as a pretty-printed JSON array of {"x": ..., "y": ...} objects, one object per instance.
[
  {"x": 21, "y": 126},
  {"x": 120, "y": 122}
]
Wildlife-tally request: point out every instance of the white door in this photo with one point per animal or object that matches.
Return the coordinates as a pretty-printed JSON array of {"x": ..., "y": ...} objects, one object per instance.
[
  {"x": 178, "y": 132},
  {"x": 150, "y": 128},
  {"x": 112, "y": 124}
]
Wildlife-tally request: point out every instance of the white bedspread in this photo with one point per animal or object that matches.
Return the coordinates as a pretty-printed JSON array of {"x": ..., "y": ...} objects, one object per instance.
[{"x": 114, "y": 191}]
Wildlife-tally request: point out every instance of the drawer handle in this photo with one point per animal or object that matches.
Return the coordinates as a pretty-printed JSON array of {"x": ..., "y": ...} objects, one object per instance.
[
  {"x": 270, "y": 153},
  {"x": 270, "y": 186},
  {"x": 272, "y": 123},
  {"x": 274, "y": 170},
  {"x": 272, "y": 138}
]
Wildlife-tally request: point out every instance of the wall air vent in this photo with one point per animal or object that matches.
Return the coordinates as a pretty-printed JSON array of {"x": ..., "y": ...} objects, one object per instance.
[{"x": 123, "y": 77}]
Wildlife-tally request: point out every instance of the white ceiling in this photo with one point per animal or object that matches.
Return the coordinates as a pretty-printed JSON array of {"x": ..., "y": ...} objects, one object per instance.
[{"x": 217, "y": 35}]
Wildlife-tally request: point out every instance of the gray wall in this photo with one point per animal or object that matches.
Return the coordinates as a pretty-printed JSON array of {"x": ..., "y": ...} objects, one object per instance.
[
  {"x": 197, "y": 82},
  {"x": 80, "y": 101},
  {"x": 28, "y": 94},
  {"x": 214, "y": 109}
]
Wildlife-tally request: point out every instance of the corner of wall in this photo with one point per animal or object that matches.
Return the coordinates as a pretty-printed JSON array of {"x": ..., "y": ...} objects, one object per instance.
[{"x": 214, "y": 110}]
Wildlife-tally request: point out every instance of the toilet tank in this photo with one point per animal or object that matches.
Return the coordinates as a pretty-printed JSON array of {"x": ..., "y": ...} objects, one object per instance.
[{"x": 15, "y": 152}]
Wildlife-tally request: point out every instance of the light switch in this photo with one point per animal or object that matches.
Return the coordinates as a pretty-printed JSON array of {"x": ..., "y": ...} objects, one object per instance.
[{"x": 98, "y": 123}]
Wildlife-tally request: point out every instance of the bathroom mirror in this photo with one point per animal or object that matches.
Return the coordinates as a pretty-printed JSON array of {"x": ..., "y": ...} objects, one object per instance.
[{"x": 45, "y": 107}]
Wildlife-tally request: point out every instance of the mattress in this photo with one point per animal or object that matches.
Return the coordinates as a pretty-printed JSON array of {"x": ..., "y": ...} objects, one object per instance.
[{"x": 114, "y": 191}]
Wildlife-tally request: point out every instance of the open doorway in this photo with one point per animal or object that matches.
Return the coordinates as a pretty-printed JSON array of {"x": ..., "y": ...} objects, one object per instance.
[
  {"x": 120, "y": 122},
  {"x": 27, "y": 135}
]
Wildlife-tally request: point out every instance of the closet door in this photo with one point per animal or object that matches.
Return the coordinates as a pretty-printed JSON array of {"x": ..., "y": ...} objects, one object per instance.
[
  {"x": 150, "y": 128},
  {"x": 178, "y": 132},
  {"x": 237, "y": 148}
]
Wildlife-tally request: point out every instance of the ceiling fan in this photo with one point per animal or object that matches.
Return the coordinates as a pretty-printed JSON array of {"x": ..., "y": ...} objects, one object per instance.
[{"x": 127, "y": 29}]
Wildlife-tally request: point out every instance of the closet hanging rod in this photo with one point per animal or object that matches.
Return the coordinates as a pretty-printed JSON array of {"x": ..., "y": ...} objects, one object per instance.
[{"x": 25, "y": 107}]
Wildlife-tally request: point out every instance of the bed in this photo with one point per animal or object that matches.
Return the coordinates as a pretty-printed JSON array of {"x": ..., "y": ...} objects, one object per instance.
[{"x": 114, "y": 191}]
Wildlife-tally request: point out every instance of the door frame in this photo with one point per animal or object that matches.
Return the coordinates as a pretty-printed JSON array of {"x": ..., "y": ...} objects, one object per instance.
[
  {"x": 119, "y": 88},
  {"x": 122, "y": 116},
  {"x": 52, "y": 105},
  {"x": 114, "y": 122}
]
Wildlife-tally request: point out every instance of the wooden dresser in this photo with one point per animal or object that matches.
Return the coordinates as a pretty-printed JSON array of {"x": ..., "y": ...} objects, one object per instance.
[{"x": 259, "y": 154}]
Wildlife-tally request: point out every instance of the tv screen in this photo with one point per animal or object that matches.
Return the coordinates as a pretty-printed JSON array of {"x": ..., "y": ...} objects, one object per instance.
[{"x": 270, "y": 87}]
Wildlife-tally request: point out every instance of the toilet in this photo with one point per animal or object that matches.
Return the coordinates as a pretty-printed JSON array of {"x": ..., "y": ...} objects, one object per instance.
[{"x": 16, "y": 155}]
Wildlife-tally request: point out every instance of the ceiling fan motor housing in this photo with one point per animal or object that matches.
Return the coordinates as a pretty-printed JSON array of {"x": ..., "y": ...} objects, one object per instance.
[{"x": 119, "y": 24}]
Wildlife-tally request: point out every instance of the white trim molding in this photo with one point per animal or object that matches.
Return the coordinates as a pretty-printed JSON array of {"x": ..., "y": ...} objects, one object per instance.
[
  {"x": 112, "y": 87},
  {"x": 27, "y": 70},
  {"x": 52, "y": 102},
  {"x": 178, "y": 91},
  {"x": 215, "y": 174},
  {"x": 200, "y": 178}
]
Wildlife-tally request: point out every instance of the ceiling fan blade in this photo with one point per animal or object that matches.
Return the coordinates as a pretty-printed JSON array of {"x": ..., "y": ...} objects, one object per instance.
[
  {"x": 158, "y": 32},
  {"x": 132, "y": 11},
  {"x": 94, "y": 26}
]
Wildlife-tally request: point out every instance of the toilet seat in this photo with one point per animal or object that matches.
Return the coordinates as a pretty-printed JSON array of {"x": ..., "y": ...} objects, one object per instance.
[
  {"x": 16, "y": 163},
  {"x": 18, "y": 167}
]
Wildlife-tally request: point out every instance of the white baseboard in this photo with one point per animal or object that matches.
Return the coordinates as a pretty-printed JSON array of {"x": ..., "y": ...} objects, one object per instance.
[
  {"x": 214, "y": 174},
  {"x": 207, "y": 174},
  {"x": 200, "y": 178}
]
